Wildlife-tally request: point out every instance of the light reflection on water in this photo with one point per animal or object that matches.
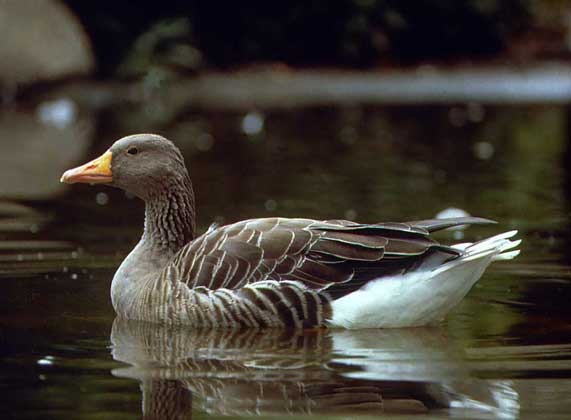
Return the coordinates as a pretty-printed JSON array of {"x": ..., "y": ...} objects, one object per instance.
[{"x": 504, "y": 352}]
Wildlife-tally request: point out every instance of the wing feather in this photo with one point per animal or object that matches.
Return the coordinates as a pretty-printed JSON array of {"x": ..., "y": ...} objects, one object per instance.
[
  {"x": 276, "y": 243},
  {"x": 338, "y": 256},
  {"x": 347, "y": 251}
]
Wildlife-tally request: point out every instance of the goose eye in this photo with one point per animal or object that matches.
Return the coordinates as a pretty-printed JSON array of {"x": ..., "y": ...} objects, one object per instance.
[{"x": 132, "y": 150}]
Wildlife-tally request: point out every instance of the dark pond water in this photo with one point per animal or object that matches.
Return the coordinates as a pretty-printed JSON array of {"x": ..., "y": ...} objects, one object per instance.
[{"x": 504, "y": 352}]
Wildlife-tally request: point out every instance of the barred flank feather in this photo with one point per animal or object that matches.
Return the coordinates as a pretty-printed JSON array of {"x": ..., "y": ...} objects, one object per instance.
[{"x": 262, "y": 304}]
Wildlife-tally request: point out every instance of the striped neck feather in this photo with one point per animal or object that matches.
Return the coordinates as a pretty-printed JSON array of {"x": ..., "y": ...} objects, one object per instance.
[{"x": 170, "y": 215}]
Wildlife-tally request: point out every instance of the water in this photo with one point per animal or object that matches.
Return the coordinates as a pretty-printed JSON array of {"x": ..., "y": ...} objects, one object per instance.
[{"x": 504, "y": 352}]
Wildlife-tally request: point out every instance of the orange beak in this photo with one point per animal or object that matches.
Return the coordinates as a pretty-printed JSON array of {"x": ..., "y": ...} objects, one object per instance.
[{"x": 98, "y": 171}]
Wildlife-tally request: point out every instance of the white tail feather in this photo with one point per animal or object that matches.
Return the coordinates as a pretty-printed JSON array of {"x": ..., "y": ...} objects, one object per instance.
[
  {"x": 496, "y": 244},
  {"x": 507, "y": 255}
]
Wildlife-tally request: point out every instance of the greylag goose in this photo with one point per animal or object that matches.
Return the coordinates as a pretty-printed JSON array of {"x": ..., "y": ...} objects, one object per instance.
[{"x": 277, "y": 272}]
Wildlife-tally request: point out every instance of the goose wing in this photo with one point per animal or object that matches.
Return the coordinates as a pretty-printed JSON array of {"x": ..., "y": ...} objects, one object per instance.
[{"x": 337, "y": 256}]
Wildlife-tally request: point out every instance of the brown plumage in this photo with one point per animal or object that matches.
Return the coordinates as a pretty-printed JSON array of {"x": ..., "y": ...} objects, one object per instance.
[{"x": 274, "y": 272}]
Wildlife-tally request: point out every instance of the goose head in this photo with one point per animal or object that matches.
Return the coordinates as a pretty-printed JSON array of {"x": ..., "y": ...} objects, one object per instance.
[{"x": 141, "y": 164}]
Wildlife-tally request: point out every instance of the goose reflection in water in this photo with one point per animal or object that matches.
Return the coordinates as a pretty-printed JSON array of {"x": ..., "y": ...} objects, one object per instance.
[{"x": 261, "y": 372}]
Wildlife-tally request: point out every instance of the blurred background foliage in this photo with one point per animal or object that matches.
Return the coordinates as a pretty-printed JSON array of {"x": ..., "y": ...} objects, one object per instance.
[{"x": 191, "y": 35}]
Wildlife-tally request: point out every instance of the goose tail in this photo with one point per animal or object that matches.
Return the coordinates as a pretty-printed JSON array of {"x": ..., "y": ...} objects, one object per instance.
[{"x": 500, "y": 247}]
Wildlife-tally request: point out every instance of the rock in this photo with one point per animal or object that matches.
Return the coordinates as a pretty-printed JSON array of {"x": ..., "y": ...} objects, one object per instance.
[
  {"x": 41, "y": 41},
  {"x": 36, "y": 151}
]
